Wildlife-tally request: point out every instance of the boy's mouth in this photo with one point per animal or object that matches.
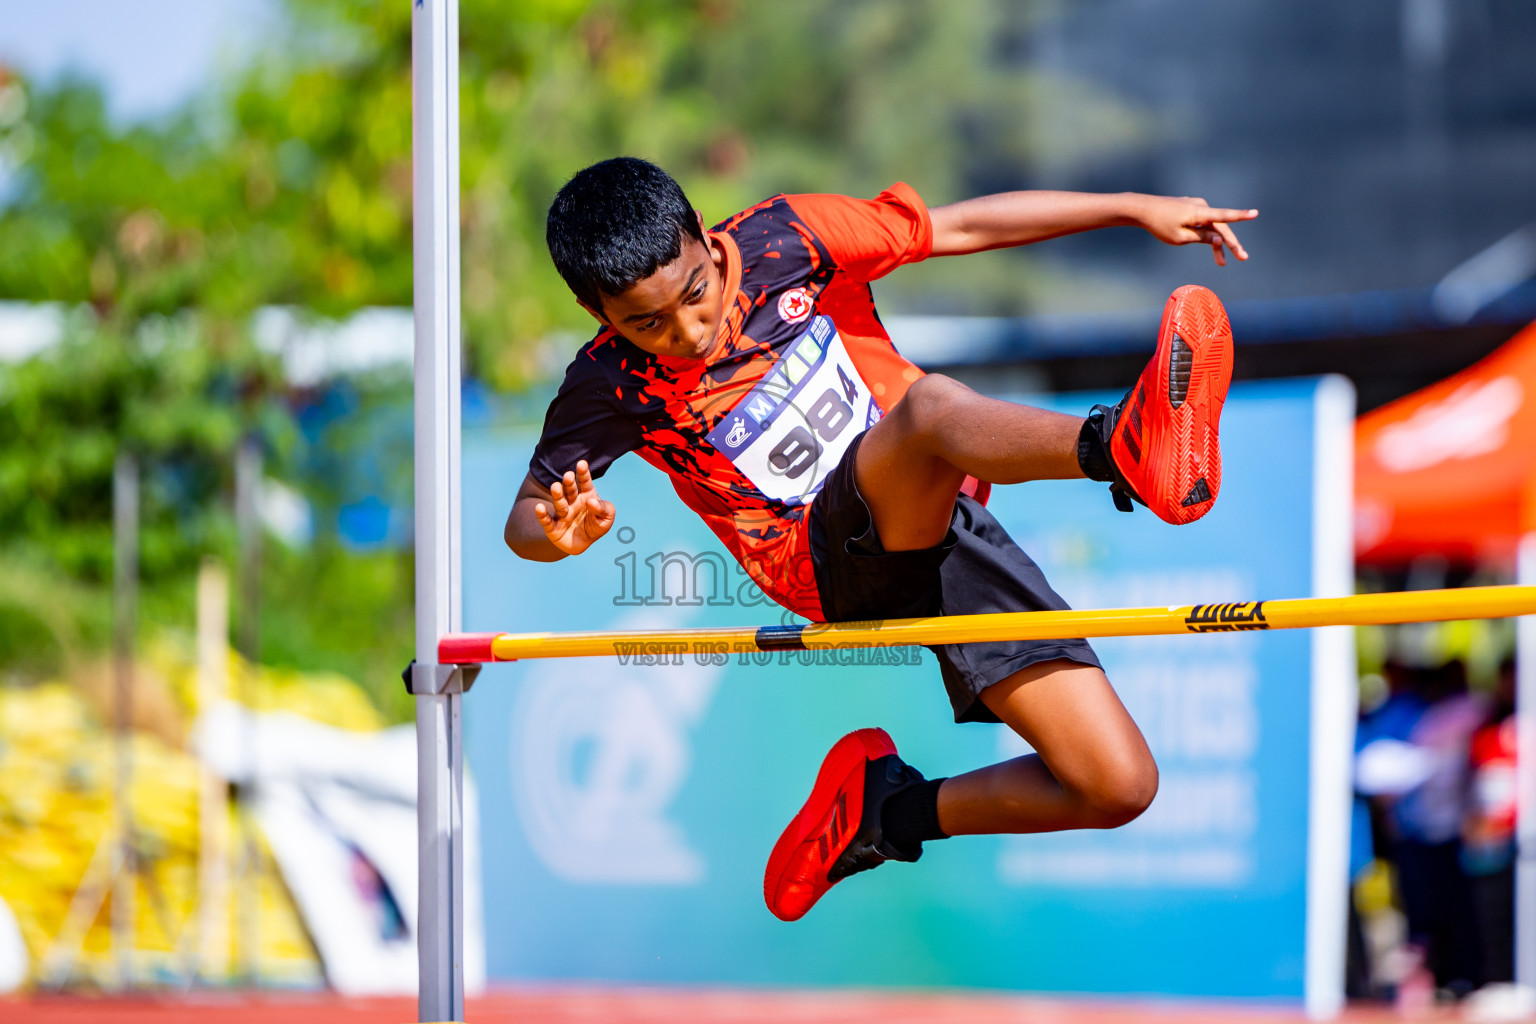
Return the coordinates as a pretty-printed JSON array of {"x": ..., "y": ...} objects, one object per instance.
[{"x": 705, "y": 344}]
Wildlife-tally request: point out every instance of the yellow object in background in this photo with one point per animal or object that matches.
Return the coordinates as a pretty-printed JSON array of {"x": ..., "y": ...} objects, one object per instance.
[
  {"x": 325, "y": 697},
  {"x": 56, "y": 763}
]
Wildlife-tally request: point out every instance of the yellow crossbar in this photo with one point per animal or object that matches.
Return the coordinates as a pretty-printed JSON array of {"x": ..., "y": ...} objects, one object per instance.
[{"x": 1297, "y": 613}]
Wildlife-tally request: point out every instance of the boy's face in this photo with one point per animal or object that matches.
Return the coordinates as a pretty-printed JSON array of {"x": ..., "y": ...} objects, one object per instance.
[{"x": 676, "y": 311}]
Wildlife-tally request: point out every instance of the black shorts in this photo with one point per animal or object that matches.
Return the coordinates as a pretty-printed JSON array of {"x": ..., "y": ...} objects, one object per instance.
[{"x": 978, "y": 568}]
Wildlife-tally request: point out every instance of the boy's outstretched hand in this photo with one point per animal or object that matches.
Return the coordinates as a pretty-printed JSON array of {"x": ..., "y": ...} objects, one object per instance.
[
  {"x": 579, "y": 516},
  {"x": 1185, "y": 221}
]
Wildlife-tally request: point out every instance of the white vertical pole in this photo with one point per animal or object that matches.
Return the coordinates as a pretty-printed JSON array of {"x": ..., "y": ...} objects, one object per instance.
[
  {"x": 213, "y": 802},
  {"x": 125, "y": 585},
  {"x": 249, "y": 867},
  {"x": 1333, "y": 701},
  {"x": 1525, "y": 726},
  {"x": 440, "y": 793}
]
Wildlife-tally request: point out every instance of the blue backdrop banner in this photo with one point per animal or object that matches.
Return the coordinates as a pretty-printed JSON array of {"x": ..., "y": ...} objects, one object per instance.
[{"x": 628, "y": 809}]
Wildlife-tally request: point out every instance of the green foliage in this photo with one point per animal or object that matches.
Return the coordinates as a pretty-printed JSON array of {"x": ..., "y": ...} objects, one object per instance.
[
  {"x": 179, "y": 402},
  {"x": 327, "y": 608},
  {"x": 293, "y": 186},
  {"x": 27, "y": 646},
  {"x": 46, "y": 616},
  {"x": 146, "y": 228},
  {"x": 138, "y": 222}
]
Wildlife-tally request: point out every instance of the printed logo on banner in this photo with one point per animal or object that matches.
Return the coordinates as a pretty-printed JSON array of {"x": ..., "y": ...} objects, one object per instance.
[
  {"x": 795, "y": 305},
  {"x": 792, "y": 428},
  {"x": 598, "y": 757}
]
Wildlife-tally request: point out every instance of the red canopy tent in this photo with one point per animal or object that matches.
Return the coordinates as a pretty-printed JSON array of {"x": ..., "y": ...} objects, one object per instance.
[{"x": 1451, "y": 469}]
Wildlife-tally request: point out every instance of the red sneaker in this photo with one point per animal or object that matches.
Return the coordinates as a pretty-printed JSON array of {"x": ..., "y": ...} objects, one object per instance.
[
  {"x": 837, "y": 833},
  {"x": 1162, "y": 439}
]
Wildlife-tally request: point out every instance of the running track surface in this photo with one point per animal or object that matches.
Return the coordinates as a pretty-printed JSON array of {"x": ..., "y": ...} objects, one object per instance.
[{"x": 664, "y": 1006}]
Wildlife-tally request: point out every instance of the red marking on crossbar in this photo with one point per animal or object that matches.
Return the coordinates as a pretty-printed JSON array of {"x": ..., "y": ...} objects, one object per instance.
[{"x": 465, "y": 648}]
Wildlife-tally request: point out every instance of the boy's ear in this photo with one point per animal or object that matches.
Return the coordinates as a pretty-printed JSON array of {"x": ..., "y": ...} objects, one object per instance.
[
  {"x": 596, "y": 313},
  {"x": 703, "y": 231}
]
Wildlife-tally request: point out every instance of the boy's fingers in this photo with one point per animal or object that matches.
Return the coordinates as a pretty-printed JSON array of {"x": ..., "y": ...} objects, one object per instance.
[
  {"x": 1226, "y": 216},
  {"x": 1230, "y": 237},
  {"x": 1221, "y": 216},
  {"x": 583, "y": 477},
  {"x": 1209, "y": 237}
]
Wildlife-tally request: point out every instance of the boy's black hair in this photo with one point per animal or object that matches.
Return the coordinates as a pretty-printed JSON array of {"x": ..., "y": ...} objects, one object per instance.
[{"x": 615, "y": 223}]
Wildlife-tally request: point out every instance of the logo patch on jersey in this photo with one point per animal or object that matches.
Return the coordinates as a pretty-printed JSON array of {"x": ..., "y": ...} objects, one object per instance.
[
  {"x": 795, "y": 305},
  {"x": 738, "y": 434}
]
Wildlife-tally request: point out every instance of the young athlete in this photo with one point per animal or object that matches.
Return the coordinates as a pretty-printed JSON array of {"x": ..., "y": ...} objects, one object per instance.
[{"x": 747, "y": 362}]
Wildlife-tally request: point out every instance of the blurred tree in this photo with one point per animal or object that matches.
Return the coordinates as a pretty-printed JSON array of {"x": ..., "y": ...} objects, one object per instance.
[
  {"x": 132, "y": 230},
  {"x": 173, "y": 398},
  {"x": 294, "y": 185}
]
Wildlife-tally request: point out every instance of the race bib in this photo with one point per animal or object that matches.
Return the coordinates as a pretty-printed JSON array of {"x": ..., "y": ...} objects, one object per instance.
[{"x": 788, "y": 432}]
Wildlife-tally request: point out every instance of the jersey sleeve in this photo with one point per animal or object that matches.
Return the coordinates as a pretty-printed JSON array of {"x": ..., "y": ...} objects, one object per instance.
[
  {"x": 584, "y": 421},
  {"x": 869, "y": 238}
]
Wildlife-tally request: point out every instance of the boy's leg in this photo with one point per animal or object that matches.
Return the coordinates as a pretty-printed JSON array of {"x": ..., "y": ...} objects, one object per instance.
[
  {"x": 1163, "y": 450},
  {"x": 911, "y": 464},
  {"x": 1091, "y": 769}
]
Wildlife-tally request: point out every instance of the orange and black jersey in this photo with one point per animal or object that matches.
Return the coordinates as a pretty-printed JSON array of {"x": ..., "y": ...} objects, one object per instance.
[{"x": 800, "y": 366}]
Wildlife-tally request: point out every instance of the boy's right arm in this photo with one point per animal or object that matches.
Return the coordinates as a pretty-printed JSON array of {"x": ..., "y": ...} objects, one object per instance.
[
  {"x": 523, "y": 533},
  {"x": 548, "y": 523}
]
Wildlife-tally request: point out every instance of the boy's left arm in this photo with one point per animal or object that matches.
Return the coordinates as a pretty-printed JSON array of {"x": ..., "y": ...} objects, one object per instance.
[{"x": 1019, "y": 218}]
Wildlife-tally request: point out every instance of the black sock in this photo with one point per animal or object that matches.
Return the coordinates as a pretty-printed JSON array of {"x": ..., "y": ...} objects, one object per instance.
[
  {"x": 1092, "y": 450},
  {"x": 911, "y": 817}
]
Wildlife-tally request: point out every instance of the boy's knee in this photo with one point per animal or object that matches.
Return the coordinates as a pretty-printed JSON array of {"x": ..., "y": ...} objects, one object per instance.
[
  {"x": 929, "y": 402},
  {"x": 1122, "y": 792}
]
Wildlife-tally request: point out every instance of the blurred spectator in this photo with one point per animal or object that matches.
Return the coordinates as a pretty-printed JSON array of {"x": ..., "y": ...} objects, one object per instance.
[
  {"x": 1488, "y": 837},
  {"x": 1386, "y": 765},
  {"x": 1428, "y": 821},
  {"x": 1413, "y": 760}
]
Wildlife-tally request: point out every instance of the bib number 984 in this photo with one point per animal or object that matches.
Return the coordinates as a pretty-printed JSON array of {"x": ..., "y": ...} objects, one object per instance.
[
  {"x": 829, "y": 415},
  {"x": 794, "y": 426}
]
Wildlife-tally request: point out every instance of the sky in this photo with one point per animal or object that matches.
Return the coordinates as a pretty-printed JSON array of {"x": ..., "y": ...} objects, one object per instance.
[{"x": 150, "y": 54}]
